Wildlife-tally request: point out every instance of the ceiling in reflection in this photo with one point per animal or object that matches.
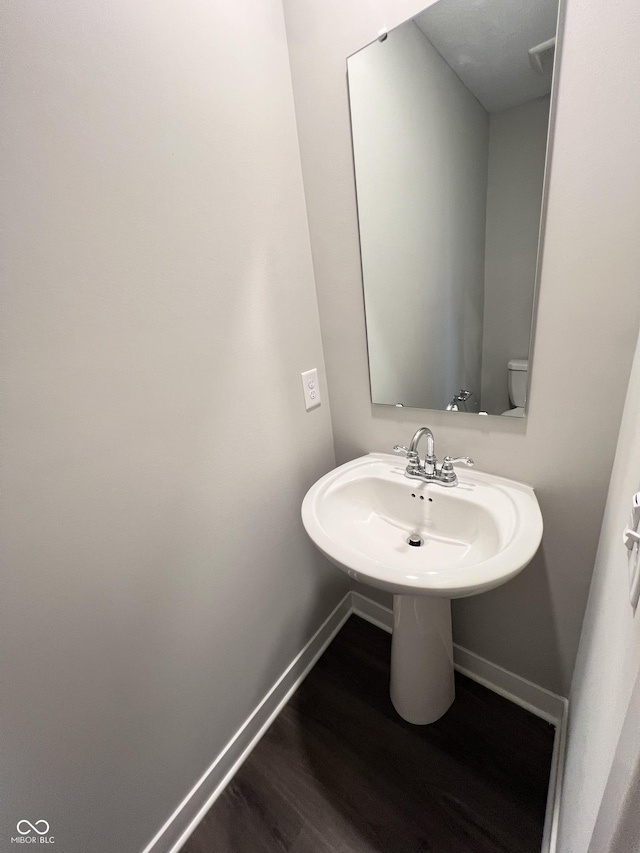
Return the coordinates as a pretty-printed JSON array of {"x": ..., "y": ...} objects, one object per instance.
[{"x": 487, "y": 44}]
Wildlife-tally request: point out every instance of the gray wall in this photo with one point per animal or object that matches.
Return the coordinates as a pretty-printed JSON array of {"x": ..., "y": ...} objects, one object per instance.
[
  {"x": 517, "y": 148},
  {"x": 588, "y": 314},
  {"x": 420, "y": 143},
  {"x": 158, "y": 307},
  {"x": 617, "y": 827},
  {"x": 608, "y": 661}
]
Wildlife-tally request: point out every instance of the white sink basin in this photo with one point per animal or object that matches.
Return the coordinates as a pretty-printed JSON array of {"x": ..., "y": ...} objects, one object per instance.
[{"x": 476, "y": 535}]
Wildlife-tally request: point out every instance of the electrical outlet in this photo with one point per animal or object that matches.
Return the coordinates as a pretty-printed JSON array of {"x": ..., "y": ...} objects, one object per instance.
[{"x": 311, "y": 389}]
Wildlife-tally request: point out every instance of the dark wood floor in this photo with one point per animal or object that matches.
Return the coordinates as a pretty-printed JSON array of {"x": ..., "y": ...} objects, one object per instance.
[{"x": 340, "y": 772}]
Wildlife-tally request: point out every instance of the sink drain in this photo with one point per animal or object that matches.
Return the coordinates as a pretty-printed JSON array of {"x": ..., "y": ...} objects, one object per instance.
[{"x": 415, "y": 541}]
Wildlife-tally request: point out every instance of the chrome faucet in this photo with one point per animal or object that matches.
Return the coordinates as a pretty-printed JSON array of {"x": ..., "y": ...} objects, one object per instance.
[
  {"x": 430, "y": 457},
  {"x": 460, "y": 398},
  {"x": 445, "y": 475}
]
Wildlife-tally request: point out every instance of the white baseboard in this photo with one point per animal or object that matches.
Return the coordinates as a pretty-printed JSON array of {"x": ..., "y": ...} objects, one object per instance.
[
  {"x": 556, "y": 775},
  {"x": 373, "y": 612},
  {"x": 172, "y": 836},
  {"x": 538, "y": 700}
]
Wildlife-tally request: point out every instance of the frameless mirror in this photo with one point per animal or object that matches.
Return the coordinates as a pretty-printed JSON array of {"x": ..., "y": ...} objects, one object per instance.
[{"x": 449, "y": 118}]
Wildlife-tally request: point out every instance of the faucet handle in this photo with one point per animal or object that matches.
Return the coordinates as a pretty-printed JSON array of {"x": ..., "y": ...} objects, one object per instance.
[
  {"x": 447, "y": 475},
  {"x": 448, "y": 462},
  {"x": 412, "y": 456}
]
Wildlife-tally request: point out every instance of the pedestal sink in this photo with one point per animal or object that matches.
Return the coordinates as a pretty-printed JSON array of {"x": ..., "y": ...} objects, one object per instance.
[{"x": 426, "y": 545}]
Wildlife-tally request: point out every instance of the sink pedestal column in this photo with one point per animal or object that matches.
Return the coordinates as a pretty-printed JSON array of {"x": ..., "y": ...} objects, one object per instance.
[{"x": 422, "y": 686}]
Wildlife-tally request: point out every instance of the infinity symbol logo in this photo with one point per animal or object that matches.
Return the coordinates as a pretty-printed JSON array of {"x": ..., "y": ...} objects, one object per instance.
[{"x": 32, "y": 828}]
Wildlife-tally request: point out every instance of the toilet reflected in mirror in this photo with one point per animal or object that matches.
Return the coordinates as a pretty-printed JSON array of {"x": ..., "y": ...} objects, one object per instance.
[{"x": 518, "y": 374}]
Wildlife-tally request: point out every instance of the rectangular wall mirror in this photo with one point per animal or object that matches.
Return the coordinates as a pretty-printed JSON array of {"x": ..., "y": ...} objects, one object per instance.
[{"x": 449, "y": 118}]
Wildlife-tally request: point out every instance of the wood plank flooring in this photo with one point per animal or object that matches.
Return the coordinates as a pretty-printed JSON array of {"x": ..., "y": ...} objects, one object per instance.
[{"x": 340, "y": 772}]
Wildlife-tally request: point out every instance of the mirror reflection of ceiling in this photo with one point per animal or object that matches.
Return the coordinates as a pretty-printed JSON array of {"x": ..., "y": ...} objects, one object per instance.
[{"x": 487, "y": 43}]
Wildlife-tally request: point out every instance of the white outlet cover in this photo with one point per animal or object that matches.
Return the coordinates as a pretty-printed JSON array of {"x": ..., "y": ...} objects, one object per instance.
[{"x": 311, "y": 389}]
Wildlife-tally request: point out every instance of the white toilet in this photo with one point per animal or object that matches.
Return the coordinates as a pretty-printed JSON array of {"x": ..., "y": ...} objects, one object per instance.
[{"x": 518, "y": 373}]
